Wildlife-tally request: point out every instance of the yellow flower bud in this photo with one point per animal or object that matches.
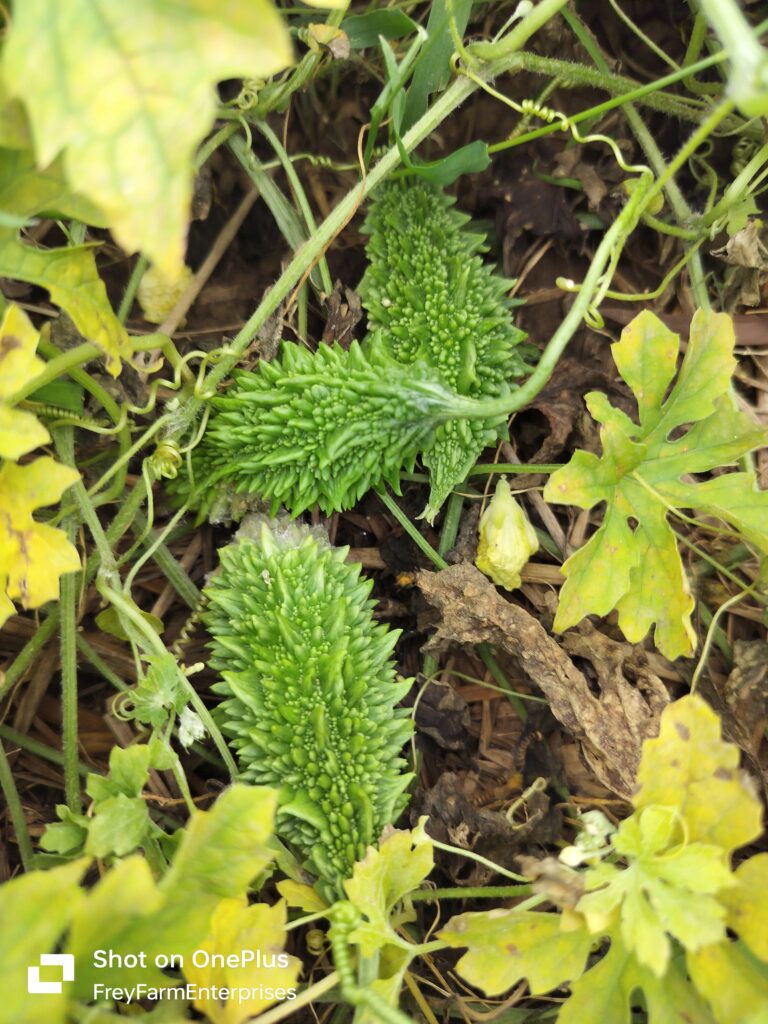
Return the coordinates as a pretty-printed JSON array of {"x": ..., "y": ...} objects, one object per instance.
[{"x": 507, "y": 539}]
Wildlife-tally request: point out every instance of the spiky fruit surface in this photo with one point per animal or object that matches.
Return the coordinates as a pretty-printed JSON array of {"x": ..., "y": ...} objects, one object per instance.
[
  {"x": 430, "y": 298},
  {"x": 310, "y": 693},
  {"x": 320, "y": 428}
]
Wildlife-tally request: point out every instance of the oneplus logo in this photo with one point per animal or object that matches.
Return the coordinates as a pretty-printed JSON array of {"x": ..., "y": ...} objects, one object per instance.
[{"x": 63, "y": 960}]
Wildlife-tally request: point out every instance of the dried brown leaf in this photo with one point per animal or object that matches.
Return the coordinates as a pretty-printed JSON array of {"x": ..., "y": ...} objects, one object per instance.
[{"x": 610, "y": 726}]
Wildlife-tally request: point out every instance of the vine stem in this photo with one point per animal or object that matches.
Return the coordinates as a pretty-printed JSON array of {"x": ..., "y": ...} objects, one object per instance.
[
  {"x": 153, "y": 643},
  {"x": 618, "y": 231},
  {"x": 65, "y": 445},
  {"x": 471, "y": 855},
  {"x": 472, "y": 892},
  {"x": 311, "y": 251}
]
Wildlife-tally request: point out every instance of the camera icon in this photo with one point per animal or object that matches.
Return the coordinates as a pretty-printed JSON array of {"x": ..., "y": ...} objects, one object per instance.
[{"x": 65, "y": 961}]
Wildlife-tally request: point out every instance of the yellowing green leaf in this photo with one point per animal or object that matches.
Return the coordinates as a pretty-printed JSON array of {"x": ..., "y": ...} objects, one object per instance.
[
  {"x": 126, "y": 91},
  {"x": 33, "y": 556},
  {"x": 507, "y": 945},
  {"x": 14, "y": 129},
  {"x": 747, "y": 904},
  {"x": 69, "y": 274},
  {"x": 689, "y": 767},
  {"x": 731, "y": 981},
  {"x": 606, "y": 992},
  {"x": 301, "y": 895},
  {"x": 383, "y": 878},
  {"x": 222, "y": 850},
  {"x": 26, "y": 190},
  {"x": 259, "y": 931},
  {"x": 35, "y": 909},
  {"x": 638, "y": 570},
  {"x": 72, "y": 280}
]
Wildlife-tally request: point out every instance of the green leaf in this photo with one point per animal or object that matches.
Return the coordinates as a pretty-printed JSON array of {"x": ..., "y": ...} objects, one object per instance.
[
  {"x": 690, "y": 768},
  {"x": 119, "y": 827},
  {"x": 507, "y": 945},
  {"x": 638, "y": 570},
  {"x": 127, "y": 93},
  {"x": 65, "y": 394},
  {"x": 35, "y": 909},
  {"x": 159, "y": 692},
  {"x": 129, "y": 768},
  {"x": 734, "y": 984},
  {"x": 67, "y": 835},
  {"x": 433, "y": 69},
  {"x": 469, "y": 159},
  {"x": 363, "y": 30},
  {"x": 109, "y": 622}
]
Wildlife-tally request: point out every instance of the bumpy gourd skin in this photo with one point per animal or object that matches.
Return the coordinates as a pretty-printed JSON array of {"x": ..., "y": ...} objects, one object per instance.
[
  {"x": 311, "y": 694},
  {"x": 430, "y": 298},
  {"x": 318, "y": 428}
]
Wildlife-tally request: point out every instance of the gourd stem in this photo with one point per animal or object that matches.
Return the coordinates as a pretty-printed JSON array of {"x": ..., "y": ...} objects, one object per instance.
[{"x": 507, "y": 404}]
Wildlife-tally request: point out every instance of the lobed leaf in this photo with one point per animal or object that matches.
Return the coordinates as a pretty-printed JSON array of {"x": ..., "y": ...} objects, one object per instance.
[
  {"x": 69, "y": 274},
  {"x": 35, "y": 910},
  {"x": 32, "y": 555},
  {"x": 221, "y": 851},
  {"x": 237, "y": 927},
  {"x": 385, "y": 877},
  {"x": 129, "y": 109},
  {"x": 691, "y": 769},
  {"x": 507, "y": 945},
  {"x": 20, "y": 431},
  {"x": 637, "y": 568}
]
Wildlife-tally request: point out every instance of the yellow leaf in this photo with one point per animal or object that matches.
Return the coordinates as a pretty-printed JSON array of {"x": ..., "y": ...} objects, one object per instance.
[
  {"x": 507, "y": 539},
  {"x": 18, "y": 345},
  {"x": 33, "y": 556},
  {"x": 243, "y": 953},
  {"x": 20, "y": 432},
  {"x": 733, "y": 984},
  {"x": 126, "y": 91},
  {"x": 747, "y": 904},
  {"x": 691, "y": 768}
]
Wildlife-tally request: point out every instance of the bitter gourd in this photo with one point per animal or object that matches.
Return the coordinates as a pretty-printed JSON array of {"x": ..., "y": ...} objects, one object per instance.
[
  {"x": 310, "y": 693},
  {"x": 431, "y": 299},
  {"x": 321, "y": 428},
  {"x": 325, "y": 427}
]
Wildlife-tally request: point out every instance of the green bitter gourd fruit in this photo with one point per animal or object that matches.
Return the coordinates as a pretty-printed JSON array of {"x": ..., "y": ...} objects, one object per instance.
[
  {"x": 320, "y": 428},
  {"x": 310, "y": 693},
  {"x": 431, "y": 299},
  {"x": 325, "y": 427}
]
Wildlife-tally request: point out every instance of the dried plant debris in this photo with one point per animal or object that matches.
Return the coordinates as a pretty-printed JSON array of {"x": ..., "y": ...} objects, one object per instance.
[{"x": 611, "y": 726}]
